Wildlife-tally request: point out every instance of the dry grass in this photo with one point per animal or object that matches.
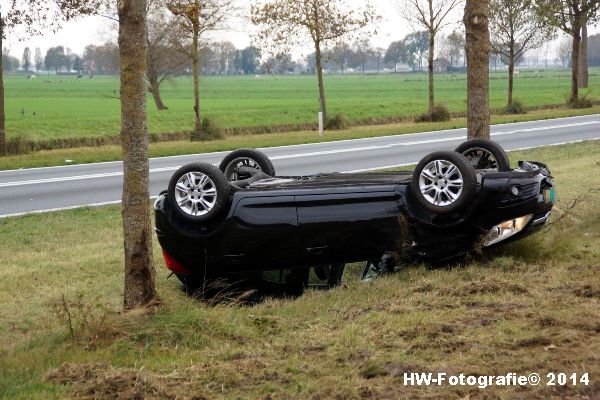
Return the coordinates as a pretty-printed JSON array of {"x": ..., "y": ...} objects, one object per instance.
[{"x": 532, "y": 306}]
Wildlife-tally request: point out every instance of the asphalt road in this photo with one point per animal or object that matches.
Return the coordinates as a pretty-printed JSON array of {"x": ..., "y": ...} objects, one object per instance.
[{"x": 48, "y": 189}]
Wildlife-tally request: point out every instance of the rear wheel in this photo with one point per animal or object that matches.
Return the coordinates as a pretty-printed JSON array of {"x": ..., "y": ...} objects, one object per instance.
[
  {"x": 485, "y": 154},
  {"x": 198, "y": 191},
  {"x": 236, "y": 164},
  {"x": 444, "y": 182}
]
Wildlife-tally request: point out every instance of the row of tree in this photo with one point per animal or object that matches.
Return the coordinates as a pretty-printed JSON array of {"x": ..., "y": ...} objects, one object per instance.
[
  {"x": 515, "y": 27},
  {"x": 223, "y": 58}
]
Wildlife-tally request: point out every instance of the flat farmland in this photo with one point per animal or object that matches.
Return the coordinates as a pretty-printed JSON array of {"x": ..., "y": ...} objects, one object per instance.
[{"x": 53, "y": 107}]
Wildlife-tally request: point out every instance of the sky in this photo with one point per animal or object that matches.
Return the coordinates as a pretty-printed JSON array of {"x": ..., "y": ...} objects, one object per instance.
[{"x": 76, "y": 35}]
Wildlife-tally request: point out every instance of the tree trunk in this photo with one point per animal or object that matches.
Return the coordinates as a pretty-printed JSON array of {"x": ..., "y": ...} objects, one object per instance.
[
  {"x": 319, "y": 66},
  {"x": 430, "y": 68},
  {"x": 477, "y": 49},
  {"x": 196, "y": 72},
  {"x": 154, "y": 89},
  {"x": 583, "y": 58},
  {"x": 2, "y": 115},
  {"x": 575, "y": 65},
  {"x": 139, "y": 267},
  {"x": 511, "y": 76}
]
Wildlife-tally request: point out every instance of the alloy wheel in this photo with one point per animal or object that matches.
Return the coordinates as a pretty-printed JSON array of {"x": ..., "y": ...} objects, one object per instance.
[
  {"x": 232, "y": 171},
  {"x": 481, "y": 158},
  {"x": 195, "y": 194},
  {"x": 441, "y": 183}
]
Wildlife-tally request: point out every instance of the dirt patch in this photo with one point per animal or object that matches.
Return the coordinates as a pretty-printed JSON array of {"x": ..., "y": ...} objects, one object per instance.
[
  {"x": 489, "y": 287},
  {"x": 397, "y": 370},
  {"x": 533, "y": 342},
  {"x": 546, "y": 322},
  {"x": 496, "y": 307},
  {"x": 588, "y": 292},
  {"x": 424, "y": 288},
  {"x": 99, "y": 381},
  {"x": 392, "y": 369}
]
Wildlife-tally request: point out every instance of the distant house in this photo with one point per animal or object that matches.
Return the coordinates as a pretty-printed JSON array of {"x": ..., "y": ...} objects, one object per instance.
[{"x": 441, "y": 64}]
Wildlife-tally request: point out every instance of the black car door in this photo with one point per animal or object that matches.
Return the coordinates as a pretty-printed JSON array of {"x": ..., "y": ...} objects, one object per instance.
[
  {"x": 261, "y": 234},
  {"x": 347, "y": 227}
]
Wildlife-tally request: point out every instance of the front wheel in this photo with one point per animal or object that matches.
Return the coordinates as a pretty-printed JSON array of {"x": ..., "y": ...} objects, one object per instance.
[
  {"x": 444, "y": 182},
  {"x": 198, "y": 191}
]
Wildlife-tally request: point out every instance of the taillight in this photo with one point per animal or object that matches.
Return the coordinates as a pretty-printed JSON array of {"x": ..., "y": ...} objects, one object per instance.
[{"x": 174, "y": 266}]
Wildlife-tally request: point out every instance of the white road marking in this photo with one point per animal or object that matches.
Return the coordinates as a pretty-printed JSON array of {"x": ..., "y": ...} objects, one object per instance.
[
  {"x": 302, "y": 155},
  {"x": 77, "y": 178},
  {"x": 406, "y": 135},
  {"x": 508, "y": 151}
]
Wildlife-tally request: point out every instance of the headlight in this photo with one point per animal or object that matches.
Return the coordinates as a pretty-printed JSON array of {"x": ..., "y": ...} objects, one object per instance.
[{"x": 505, "y": 230}]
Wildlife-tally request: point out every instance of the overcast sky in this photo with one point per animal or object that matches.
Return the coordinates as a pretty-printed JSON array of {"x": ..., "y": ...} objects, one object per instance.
[{"x": 96, "y": 30}]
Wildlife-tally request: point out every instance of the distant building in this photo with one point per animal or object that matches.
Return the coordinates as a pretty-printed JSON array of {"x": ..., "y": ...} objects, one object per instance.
[{"x": 441, "y": 64}]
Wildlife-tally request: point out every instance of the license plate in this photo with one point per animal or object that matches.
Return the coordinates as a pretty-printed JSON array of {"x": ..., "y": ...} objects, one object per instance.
[{"x": 550, "y": 195}]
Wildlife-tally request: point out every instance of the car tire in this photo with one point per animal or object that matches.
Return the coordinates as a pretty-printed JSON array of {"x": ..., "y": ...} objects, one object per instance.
[
  {"x": 485, "y": 154},
  {"x": 199, "y": 192},
  {"x": 331, "y": 274},
  {"x": 335, "y": 275},
  {"x": 444, "y": 182},
  {"x": 248, "y": 158},
  {"x": 296, "y": 281}
]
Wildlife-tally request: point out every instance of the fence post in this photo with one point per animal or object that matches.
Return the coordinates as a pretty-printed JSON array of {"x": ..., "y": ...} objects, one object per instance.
[{"x": 320, "y": 124}]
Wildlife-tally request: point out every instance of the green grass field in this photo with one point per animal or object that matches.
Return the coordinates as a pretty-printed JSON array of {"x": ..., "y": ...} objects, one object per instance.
[
  {"x": 531, "y": 306},
  {"x": 66, "y": 107}
]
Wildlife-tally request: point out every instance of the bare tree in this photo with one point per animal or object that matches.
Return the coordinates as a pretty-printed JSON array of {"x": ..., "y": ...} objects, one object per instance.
[
  {"x": 584, "y": 74},
  {"x": 570, "y": 16},
  {"x": 284, "y": 23},
  {"x": 516, "y": 28},
  {"x": 476, "y": 19},
  {"x": 139, "y": 265},
  {"x": 26, "y": 61},
  {"x": 37, "y": 16},
  {"x": 433, "y": 15},
  {"x": 362, "y": 52},
  {"x": 340, "y": 54},
  {"x": 456, "y": 44},
  {"x": 396, "y": 53},
  {"x": 379, "y": 53},
  {"x": 564, "y": 49},
  {"x": 163, "y": 58},
  {"x": 39, "y": 60},
  {"x": 2, "y": 113},
  {"x": 196, "y": 18}
]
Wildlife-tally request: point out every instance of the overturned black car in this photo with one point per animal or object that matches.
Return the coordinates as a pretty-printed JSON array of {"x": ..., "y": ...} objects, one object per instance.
[{"x": 241, "y": 220}]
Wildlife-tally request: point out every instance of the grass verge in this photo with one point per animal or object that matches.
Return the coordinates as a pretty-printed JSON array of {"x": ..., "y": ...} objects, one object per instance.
[
  {"x": 85, "y": 155},
  {"x": 531, "y": 306}
]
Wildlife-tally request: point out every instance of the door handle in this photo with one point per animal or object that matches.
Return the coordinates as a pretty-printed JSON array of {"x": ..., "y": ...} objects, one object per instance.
[
  {"x": 234, "y": 257},
  {"x": 316, "y": 250}
]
